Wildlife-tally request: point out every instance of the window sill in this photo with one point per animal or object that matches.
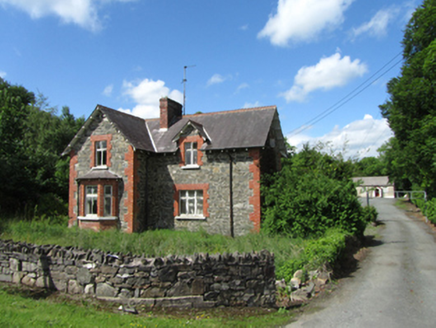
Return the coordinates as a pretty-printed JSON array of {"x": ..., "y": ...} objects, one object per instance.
[
  {"x": 188, "y": 217},
  {"x": 97, "y": 218},
  {"x": 100, "y": 167},
  {"x": 191, "y": 167}
]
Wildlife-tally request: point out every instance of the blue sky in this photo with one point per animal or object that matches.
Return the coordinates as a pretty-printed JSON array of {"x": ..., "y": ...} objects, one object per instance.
[{"x": 304, "y": 56}]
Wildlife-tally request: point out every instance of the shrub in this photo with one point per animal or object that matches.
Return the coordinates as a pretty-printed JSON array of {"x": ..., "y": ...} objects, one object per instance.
[
  {"x": 315, "y": 254},
  {"x": 370, "y": 214},
  {"x": 307, "y": 205}
]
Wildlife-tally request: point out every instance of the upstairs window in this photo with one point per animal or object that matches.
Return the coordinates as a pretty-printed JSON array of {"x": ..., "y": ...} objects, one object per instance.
[
  {"x": 190, "y": 153},
  {"x": 101, "y": 153},
  {"x": 191, "y": 202}
]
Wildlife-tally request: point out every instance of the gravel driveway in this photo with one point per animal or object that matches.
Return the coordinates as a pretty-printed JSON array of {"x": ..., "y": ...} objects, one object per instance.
[{"x": 395, "y": 285}]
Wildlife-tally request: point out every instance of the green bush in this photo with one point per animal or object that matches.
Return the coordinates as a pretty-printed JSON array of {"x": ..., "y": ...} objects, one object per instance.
[
  {"x": 307, "y": 205},
  {"x": 370, "y": 214},
  {"x": 431, "y": 210},
  {"x": 314, "y": 254}
]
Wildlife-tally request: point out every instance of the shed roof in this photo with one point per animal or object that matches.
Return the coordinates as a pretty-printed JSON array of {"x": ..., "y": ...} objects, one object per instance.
[{"x": 373, "y": 181}]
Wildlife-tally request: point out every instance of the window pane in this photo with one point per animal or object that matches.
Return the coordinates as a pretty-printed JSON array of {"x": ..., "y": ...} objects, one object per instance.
[
  {"x": 100, "y": 153},
  {"x": 107, "y": 200},
  {"x": 183, "y": 206},
  {"x": 191, "y": 202},
  {"x": 108, "y": 190}
]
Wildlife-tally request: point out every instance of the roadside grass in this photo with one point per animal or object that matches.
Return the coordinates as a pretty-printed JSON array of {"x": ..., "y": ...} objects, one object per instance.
[{"x": 21, "y": 307}]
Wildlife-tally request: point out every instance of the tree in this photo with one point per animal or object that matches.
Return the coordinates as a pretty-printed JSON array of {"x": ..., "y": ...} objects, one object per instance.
[
  {"x": 411, "y": 109},
  {"x": 32, "y": 138}
]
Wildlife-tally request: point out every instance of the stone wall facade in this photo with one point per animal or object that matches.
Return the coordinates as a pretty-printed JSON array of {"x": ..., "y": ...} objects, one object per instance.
[
  {"x": 165, "y": 173},
  {"x": 200, "y": 280},
  {"x": 120, "y": 162},
  {"x": 147, "y": 191}
]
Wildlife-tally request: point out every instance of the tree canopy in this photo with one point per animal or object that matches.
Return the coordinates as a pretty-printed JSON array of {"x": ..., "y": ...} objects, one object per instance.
[
  {"x": 411, "y": 108},
  {"x": 32, "y": 138}
]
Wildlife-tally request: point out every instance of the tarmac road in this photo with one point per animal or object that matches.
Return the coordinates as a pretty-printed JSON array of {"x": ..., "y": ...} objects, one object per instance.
[{"x": 395, "y": 285}]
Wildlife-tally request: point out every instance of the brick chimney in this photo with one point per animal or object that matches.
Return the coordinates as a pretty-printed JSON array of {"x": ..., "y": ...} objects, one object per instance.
[{"x": 170, "y": 112}]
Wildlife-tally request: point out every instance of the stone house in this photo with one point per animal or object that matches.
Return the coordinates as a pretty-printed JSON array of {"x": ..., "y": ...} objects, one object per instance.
[
  {"x": 192, "y": 172},
  {"x": 376, "y": 187}
]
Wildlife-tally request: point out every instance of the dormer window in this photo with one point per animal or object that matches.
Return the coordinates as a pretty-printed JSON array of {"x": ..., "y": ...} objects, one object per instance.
[
  {"x": 190, "y": 153},
  {"x": 100, "y": 153}
]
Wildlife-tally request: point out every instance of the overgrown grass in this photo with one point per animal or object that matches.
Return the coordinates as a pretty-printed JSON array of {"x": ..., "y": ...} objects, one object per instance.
[
  {"x": 290, "y": 254},
  {"x": 150, "y": 243},
  {"x": 19, "y": 308}
]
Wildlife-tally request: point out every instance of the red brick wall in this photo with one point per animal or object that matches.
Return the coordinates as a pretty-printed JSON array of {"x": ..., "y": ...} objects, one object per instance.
[
  {"x": 104, "y": 137},
  {"x": 254, "y": 184},
  {"x": 130, "y": 187},
  {"x": 72, "y": 202},
  {"x": 98, "y": 225},
  {"x": 194, "y": 186},
  {"x": 199, "y": 140}
]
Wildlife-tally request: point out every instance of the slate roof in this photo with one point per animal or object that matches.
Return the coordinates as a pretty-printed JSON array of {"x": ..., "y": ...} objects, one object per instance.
[
  {"x": 99, "y": 174},
  {"x": 373, "y": 181},
  {"x": 243, "y": 128}
]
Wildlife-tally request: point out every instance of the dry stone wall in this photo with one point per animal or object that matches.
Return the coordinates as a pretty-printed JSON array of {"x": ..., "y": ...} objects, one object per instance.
[{"x": 201, "y": 280}]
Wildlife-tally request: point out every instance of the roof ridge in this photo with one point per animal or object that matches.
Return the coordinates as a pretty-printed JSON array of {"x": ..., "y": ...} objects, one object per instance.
[
  {"x": 240, "y": 110},
  {"x": 119, "y": 111}
]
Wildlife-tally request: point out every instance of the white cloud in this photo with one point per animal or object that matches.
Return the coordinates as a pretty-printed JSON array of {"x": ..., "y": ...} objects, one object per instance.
[
  {"x": 244, "y": 27},
  {"x": 360, "y": 138},
  {"x": 241, "y": 87},
  {"x": 215, "y": 79},
  {"x": 2, "y": 74},
  {"x": 251, "y": 105},
  {"x": 146, "y": 94},
  {"x": 378, "y": 24},
  {"x": 328, "y": 73},
  {"x": 303, "y": 20},
  {"x": 108, "y": 90},
  {"x": 80, "y": 12}
]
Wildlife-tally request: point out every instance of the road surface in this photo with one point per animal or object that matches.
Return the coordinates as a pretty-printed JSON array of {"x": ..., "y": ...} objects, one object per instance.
[{"x": 395, "y": 285}]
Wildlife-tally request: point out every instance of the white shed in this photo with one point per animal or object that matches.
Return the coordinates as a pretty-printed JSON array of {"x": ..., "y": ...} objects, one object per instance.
[{"x": 377, "y": 187}]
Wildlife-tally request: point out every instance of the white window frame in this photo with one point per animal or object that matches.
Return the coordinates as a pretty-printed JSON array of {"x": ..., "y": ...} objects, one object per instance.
[
  {"x": 101, "y": 153},
  {"x": 191, "y": 154},
  {"x": 107, "y": 200},
  {"x": 193, "y": 198},
  {"x": 91, "y": 200}
]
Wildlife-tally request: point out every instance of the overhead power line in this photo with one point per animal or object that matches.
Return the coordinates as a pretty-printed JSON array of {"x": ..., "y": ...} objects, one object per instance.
[{"x": 355, "y": 92}]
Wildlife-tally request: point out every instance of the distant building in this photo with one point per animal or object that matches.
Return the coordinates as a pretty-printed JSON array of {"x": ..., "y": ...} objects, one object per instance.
[
  {"x": 191, "y": 172},
  {"x": 377, "y": 187}
]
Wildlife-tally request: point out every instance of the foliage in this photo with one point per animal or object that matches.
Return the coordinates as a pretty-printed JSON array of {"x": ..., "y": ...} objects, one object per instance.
[
  {"x": 411, "y": 109},
  {"x": 431, "y": 210},
  {"x": 32, "y": 137},
  {"x": 370, "y": 166},
  {"x": 312, "y": 193},
  {"x": 315, "y": 254},
  {"x": 370, "y": 214}
]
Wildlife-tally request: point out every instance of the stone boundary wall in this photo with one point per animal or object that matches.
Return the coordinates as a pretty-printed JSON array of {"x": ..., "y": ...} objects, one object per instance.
[{"x": 201, "y": 280}]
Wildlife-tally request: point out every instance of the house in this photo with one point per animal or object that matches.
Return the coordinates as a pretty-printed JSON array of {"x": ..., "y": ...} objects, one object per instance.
[
  {"x": 377, "y": 187},
  {"x": 192, "y": 172}
]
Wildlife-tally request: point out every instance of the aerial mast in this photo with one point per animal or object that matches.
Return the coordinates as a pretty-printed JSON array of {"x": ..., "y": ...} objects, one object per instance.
[{"x": 184, "y": 87}]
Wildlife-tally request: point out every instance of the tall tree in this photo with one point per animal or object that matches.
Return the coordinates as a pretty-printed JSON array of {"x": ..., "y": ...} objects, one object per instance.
[
  {"x": 411, "y": 109},
  {"x": 32, "y": 138}
]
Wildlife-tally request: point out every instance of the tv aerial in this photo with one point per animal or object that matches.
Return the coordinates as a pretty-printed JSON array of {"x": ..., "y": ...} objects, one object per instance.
[{"x": 184, "y": 86}]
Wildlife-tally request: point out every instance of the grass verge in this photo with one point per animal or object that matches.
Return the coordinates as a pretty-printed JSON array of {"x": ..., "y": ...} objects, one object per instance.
[{"x": 25, "y": 307}]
